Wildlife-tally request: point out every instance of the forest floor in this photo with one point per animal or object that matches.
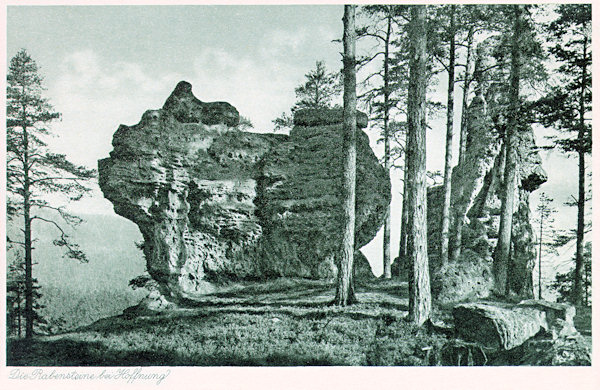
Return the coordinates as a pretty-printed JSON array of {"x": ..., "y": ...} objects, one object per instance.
[{"x": 285, "y": 322}]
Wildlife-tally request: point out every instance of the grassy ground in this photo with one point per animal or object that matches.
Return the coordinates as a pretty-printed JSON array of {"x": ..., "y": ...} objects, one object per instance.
[
  {"x": 286, "y": 322},
  {"x": 282, "y": 323}
]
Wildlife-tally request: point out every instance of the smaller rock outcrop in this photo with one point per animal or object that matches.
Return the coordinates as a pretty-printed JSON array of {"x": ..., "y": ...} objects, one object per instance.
[
  {"x": 477, "y": 184},
  {"x": 186, "y": 108},
  {"x": 299, "y": 200}
]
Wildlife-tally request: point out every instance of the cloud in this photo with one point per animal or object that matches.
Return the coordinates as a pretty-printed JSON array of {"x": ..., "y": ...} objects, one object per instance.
[
  {"x": 94, "y": 96},
  {"x": 259, "y": 89},
  {"x": 261, "y": 84}
]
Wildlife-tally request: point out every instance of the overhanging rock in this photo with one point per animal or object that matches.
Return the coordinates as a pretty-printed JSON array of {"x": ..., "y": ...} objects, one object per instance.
[{"x": 215, "y": 203}]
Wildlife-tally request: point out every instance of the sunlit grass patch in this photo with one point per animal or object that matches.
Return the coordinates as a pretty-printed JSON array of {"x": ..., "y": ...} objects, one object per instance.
[{"x": 282, "y": 322}]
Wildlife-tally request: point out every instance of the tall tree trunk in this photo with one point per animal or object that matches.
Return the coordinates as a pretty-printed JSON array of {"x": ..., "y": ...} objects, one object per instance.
[
  {"x": 449, "y": 134},
  {"x": 540, "y": 257},
  {"x": 19, "y": 313},
  {"x": 404, "y": 219},
  {"x": 502, "y": 251},
  {"x": 459, "y": 219},
  {"x": 466, "y": 87},
  {"x": 577, "y": 288},
  {"x": 345, "y": 288},
  {"x": 419, "y": 307},
  {"x": 29, "y": 316},
  {"x": 586, "y": 275},
  {"x": 387, "y": 263}
]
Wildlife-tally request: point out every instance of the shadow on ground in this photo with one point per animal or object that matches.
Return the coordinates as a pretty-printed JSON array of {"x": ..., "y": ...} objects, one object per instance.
[
  {"x": 67, "y": 352},
  {"x": 281, "y": 323}
]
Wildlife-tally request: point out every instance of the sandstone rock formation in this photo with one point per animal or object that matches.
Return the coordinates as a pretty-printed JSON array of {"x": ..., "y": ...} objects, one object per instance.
[
  {"x": 299, "y": 191},
  {"x": 214, "y": 203},
  {"x": 475, "y": 205},
  {"x": 506, "y": 326}
]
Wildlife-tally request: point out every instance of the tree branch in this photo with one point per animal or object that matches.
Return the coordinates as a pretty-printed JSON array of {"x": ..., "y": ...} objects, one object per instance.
[
  {"x": 72, "y": 249},
  {"x": 55, "y": 178}
]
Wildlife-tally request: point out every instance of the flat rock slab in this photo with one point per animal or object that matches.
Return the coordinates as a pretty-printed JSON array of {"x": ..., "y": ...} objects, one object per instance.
[
  {"x": 497, "y": 327},
  {"x": 505, "y": 326},
  {"x": 554, "y": 311}
]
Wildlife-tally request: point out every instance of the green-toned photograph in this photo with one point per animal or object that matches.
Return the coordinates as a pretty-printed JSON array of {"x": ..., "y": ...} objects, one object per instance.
[{"x": 298, "y": 185}]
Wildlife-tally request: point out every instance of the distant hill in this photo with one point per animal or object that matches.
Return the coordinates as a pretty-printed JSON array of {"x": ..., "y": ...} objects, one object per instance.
[
  {"x": 108, "y": 241},
  {"x": 79, "y": 293}
]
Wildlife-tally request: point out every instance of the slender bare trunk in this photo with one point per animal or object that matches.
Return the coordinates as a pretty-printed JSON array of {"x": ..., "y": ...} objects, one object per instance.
[
  {"x": 579, "y": 266},
  {"x": 502, "y": 251},
  {"x": 419, "y": 288},
  {"x": 449, "y": 134},
  {"x": 540, "y": 258},
  {"x": 27, "y": 238},
  {"x": 586, "y": 274},
  {"x": 466, "y": 87},
  {"x": 19, "y": 313},
  {"x": 404, "y": 218},
  {"x": 387, "y": 263},
  {"x": 459, "y": 220},
  {"x": 345, "y": 288}
]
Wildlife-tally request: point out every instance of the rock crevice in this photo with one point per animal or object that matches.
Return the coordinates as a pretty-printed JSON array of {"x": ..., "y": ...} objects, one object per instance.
[{"x": 215, "y": 203}]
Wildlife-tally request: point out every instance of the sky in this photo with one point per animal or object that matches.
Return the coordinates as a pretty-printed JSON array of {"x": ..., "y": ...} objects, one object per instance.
[{"x": 106, "y": 65}]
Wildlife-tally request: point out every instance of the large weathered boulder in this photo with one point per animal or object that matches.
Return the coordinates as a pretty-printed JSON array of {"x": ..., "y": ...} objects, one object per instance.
[
  {"x": 214, "y": 203},
  {"x": 531, "y": 333},
  {"x": 506, "y": 326},
  {"x": 572, "y": 350},
  {"x": 189, "y": 185},
  {"x": 494, "y": 326}
]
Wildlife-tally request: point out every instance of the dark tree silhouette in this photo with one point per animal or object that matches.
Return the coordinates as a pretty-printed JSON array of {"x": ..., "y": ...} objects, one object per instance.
[
  {"x": 33, "y": 172},
  {"x": 318, "y": 90}
]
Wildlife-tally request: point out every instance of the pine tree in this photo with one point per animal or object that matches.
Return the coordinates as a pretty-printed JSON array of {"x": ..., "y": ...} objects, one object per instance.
[
  {"x": 418, "y": 285},
  {"x": 445, "y": 217},
  {"x": 383, "y": 88},
  {"x": 568, "y": 104},
  {"x": 15, "y": 299},
  {"x": 507, "y": 208},
  {"x": 563, "y": 282},
  {"x": 466, "y": 87},
  {"x": 318, "y": 91},
  {"x": 32, "y": 171},
  {"x": 345, "y": 287}
]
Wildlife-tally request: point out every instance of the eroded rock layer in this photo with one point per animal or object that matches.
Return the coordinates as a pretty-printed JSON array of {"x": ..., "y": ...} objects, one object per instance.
[
  {"x": 214, "y": 203},
  {"x": 300, "y": 193},
  {"x": 475, "y": 217}
]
